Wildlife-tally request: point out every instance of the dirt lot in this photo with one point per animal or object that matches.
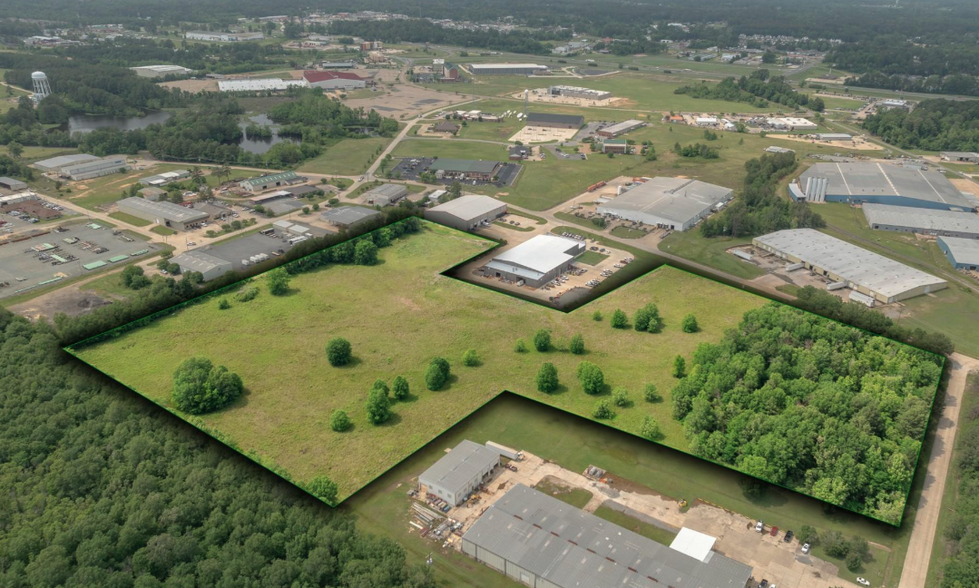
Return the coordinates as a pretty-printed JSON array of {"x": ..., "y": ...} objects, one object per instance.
[
  {"x": 965, "y": 185},
  {"x": 858, "y": 143},
  {"x": 402, "y": 101},
  {"x": 193, "y": 86},
  {"x": 530, "y": 134}
]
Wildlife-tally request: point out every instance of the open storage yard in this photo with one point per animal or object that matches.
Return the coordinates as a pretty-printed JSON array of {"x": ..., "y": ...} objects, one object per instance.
[{"x": 290, "y": 391}]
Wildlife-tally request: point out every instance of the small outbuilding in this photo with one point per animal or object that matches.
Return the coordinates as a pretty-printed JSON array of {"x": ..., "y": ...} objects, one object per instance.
[
  {"x": 461, "y": 471},
  {"x": 346, "y": 217},
  {"x": 206, "y": 264},
  {"x": 536, "y": 261},
  {"x": 12, "y": 184},
  {"x": 961, "y": 253},
  {"x": 386, "y": 195}
]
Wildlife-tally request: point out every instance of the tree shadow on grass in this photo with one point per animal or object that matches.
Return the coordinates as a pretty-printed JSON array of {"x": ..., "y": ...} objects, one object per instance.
[
  {"x": 452, "y": 379},
  {"x": 393, "y": 420},
  {"x": 352, "y": 363}
]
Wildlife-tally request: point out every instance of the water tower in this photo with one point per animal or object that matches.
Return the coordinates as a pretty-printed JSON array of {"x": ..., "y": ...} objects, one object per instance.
[{"x": 42, "y": 87}]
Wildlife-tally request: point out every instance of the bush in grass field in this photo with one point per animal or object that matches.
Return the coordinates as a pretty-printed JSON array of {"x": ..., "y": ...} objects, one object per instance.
[
  {"x": 437, "y": 374},
  {"x": 547, "y": 381},
  {"x": 339, "y": 421},
  {"x": 577, "y": 344},
  {"x": 470, "y": 358},
  {"x": 277, "y": 281},
  {"x": 542, "y": 340},
  {"x": 647, "y": 319},
  {"x": 689, "y": 324},
  {"x": 199, "y": 386},
  {"x": 224, "y": 304},
  {"x": 338, "y": 352},
  {"x": 620, "y": 397},
  {"x": 591, "y": 377},
  {"x": 378, "y": 407},
  {"x": 650, "y": 429},
  {"x": 679, "y": 367},
  {"x": 325, "y": 489},
  {"x": 603, "y": 409},
  {"x": 399, "y": 388},
  {"x": 520, "y": 346},
  {"x": 596, "y": 316},
  {"x": 651, "y": 394},
  {"x": 246, "y": 294},
  {"x": 619, "y": 320}
]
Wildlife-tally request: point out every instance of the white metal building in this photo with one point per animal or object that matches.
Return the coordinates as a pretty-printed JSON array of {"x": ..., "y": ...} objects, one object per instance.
[
  {"x": 542, "y": 542},
  {"x": 204, "y": 263},
  {"x": 160, "y": 71},
  {"x": 349, "y": 216},
  {"x": 386, "y": 194},
  {"x": 55, "y": 164},
  {"x": 260, "y": 85},
  {"x": 95, "y": 169},
  {"x": 467, "y": 212},
  {"x": 460, "y": 471},
  {"x": 961, "y": 253},
  {"x": 579, "y": 92},
  {"x": 536, "y": 261},
  {"x": 792, "y": 123},
  {"x": 671, "y": 203},
  {"x": 864, "y": 271},
  {"x": 225, "y": 37},
  {"x": 163, "y": 213},
  {"x": 623, "y": 127},
  {"x": 926, "y": 221}
]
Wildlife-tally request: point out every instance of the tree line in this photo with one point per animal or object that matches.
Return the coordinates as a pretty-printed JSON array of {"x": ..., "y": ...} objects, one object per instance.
[
  {"x": 101, "y": 488},
  {"x": 806, "y": 403},
  {"x": 757, "y": 208},
  {"x": 758, "y": 89},
  {"x": 934, "y": 125}
]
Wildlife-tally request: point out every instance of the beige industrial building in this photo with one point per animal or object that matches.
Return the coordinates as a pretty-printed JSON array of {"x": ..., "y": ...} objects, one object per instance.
[
  {"x": 163, "y": 213},
  {"x": 95, "y": 169},
  {"x": 467, "y": 212},
  {"x": 204, "y": 263},
  {"x": 671, "y": 203},
  {"x": 863, "y": 271},
  {"x": 454, "y": 477}
]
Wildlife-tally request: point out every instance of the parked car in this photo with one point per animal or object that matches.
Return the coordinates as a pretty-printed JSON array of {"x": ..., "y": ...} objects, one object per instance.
[
  {"x": 863, "y": 582},
  {"x": 805, "y": 548},
  {"x": 763, "y": 583},
  {"x": 759, "y": 527},
  {"x": 788, "y": 535},
  {"x": 774, "y": 531}
]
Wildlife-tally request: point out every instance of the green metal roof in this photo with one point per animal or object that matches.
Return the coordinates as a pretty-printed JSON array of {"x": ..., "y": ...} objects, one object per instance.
[
  {"x": 94, "y": 265},
  {"x": 118, "y": 258},
  {"x": 289, "y": 175}
]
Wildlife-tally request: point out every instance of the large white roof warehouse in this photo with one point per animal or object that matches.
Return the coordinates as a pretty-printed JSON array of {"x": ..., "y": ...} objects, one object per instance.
[
  {"x": 673, "y": 203},
  {"x": 541, "y": 541},
  {"x": 881, "y": 183},
  {"x": 536, "y": 261},
  {"x": 864, "y": 271}
]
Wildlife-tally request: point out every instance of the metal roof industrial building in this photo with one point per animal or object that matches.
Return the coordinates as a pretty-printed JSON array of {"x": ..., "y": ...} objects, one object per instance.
[
  {"x": 674, "y": 203},
  {"x": 506, "y": 68},
  {"x": 348, "y": 216},
  {"x": 961, "y": 253},
  {"x": 207, "y": 265},
  {"x": 882, "y": 183},
  {"x": 927, "y": 221},
  {"x": 56, "y": 163},
  {"x": 866, "y": 272},
  {"x": 460, "y": 471},
  {"x": 540, "y": 541},
  {"x": 561, "y": 121},
  {"x": 466, "y": 212},
  {"x": 537, "y": 260},
  {"x": 162, "y": 212}
]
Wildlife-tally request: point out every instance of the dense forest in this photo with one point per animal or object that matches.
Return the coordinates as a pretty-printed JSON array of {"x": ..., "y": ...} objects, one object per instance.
[
  {"x": 895, "y": 63},
  {"x": 423, "y": 31},
  {"x": 934, "y": 125},
  {"x": 101, "y": 488},
  {"x": 803, "y": 402},
  {"x": 89, "y": 86},
  {"x": 758, "y": 89},
  {"x": 757, "y": 208}
]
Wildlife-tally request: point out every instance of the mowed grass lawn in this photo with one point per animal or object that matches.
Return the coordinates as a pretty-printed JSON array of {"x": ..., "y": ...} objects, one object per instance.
[
  {"x": 398, "y": 315},
  {"x": 346, "y": 158}
]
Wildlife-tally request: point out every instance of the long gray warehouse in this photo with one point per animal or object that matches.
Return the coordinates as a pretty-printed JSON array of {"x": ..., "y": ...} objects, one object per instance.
[
  {"x": 204, "y": 263},
  {"x": 536, "y": 261},
  {"x": 497, "y": 69},
  {"x": 866, "y": 272},
  {"x": 881, "y": 183},
  {"x": 346, "y": 217},
  {"x": 672, "y": 203},
  {"x": 467, "y": 212},
  {"x": 386, "y": 194},
  {"x": 961, "y": 253},
  {"x": 55, "y": 164},
  {"x": 927, "y": 221},
  {"x": 460, "y": 471},
  {"x": 541, "y": 542},
  {"x": 87, "y": 170},
  {"x": 163, "y": 213}
]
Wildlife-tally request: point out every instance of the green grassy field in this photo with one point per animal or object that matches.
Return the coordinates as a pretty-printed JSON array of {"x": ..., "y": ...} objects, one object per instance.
[
  {"x": 346, "y": 158},
  {"x": 164, "y": 231},
  {"x": 575, "y": 443},
  {"x": 710, "y": 252},
  {"x": 576, "y": 497},
  {"x": 592, "y": 258},
  {"x": 291, "y": 391},
  {"x": 627, "y": 233}
]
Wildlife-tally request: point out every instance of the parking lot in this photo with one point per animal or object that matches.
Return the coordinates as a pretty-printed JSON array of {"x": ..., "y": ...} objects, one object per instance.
[
  {"x": 238, "y": 250},
  {"x": 53, "y": 256}
]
